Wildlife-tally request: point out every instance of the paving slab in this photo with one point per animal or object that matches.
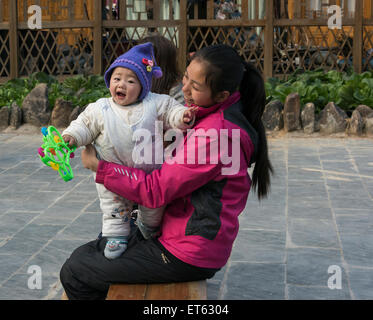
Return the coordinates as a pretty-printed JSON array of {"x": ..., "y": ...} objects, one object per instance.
[{"x": 311, "y": 239}]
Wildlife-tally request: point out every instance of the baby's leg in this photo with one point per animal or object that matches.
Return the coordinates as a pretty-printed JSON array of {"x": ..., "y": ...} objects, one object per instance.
[
  {"x": 149, "y": 220},
  {"x": 115, "y": 221}
]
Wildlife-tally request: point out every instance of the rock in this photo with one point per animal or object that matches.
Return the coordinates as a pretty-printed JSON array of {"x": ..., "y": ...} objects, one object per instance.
[
  {"x": 292, "y": 112},
  {"x": 324, "y": 57},
  {"x": 355, "y": 124},
  {"x": 272, "y": 116},
  {"x": 75, "y": 113},
  {"x": 364, "y": 110},
  {"x": 317, "y": 122},
  {"x": 15, "y": 116},
  {"x": 4, "y": 117},
  {"x": 36, "y": 106},
  {"x": 369, "y": 126},
  {"x": 61, "y": 113},
  {"x": 333, "y": 119},
  {"x": 308, "y": 118}
]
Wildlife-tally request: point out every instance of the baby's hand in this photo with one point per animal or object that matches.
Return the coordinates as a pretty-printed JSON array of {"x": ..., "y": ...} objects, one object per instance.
[
  {"x": 69, "y": 139},
  {"x": 189, "y": 114}
]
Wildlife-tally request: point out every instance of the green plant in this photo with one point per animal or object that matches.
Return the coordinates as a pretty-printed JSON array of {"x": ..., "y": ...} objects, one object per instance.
[
  {"x": 357, "y": 89},
  {"x": 79, "y": 90},
  {"x": 84, "y": 90},
  {"x": 347, "y": 90},
  {"x": 14, "y": 91}
]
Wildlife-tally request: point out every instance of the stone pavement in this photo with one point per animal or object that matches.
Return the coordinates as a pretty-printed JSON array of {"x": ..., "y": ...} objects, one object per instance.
[{"x": 318, "y": 219}]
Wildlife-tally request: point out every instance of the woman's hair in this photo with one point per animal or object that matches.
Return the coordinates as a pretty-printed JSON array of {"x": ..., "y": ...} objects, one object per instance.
[
  {"x": 166, "y": 57},
  {"x": 227, "y": 71}
]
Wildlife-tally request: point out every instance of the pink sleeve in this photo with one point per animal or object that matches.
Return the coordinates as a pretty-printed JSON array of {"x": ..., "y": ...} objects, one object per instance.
[{"x": 160, "y": 187}]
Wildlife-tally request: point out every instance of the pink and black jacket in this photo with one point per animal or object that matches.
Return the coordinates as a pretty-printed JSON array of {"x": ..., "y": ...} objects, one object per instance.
[{"x": 200, "y": 222}]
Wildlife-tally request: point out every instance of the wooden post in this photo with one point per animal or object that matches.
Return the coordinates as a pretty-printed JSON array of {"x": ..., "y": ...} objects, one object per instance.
[
  {"x": 97, "y": 37},
  {"x": 183, "y": 36},
  {"x": 268, "y": 40},
  {"x": 122, "y": 9},
  {"x": 157, "y": 11},
  {"x": 210, "y": 9},
  {"x": 13, "y": 39},
  {"x": 245, "y": 10},
  {"x": 358, "y": 37},
  {"x": 71, "y": 13}
]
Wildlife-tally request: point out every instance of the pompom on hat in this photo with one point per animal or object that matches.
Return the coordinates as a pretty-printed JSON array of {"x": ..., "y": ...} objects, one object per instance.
[{"x": 140, "y": 59}]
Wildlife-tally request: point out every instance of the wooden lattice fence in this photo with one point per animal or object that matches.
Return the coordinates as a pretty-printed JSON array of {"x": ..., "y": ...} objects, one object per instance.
[{"x": 278, "y": 36}]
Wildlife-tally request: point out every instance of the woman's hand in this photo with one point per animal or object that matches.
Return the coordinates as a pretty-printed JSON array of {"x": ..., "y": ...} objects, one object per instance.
[{"x": 89, "y": 158}]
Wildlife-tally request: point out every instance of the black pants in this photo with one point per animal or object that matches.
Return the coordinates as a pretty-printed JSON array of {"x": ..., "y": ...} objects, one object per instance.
[{"x": 87, "y": 274}]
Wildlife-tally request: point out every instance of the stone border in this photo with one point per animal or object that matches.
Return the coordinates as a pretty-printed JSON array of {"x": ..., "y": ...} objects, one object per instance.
[
  {"x": 277, "y": 116},
  {"x": 332, "y": 120}
]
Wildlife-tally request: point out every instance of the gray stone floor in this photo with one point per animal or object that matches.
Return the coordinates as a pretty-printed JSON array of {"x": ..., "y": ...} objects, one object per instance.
[{"x": 311, "y": 239}]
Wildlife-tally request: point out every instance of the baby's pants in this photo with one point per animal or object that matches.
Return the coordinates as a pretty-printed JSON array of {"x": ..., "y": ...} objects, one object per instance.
[
  {"x": 116, "y": 213},
  {"x": 117, "y": 210},
  {"x": 150, "y": 217}
]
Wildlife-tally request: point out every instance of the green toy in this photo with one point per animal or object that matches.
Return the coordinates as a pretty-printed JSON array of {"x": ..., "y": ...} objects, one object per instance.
[{"x": 56, "y": 153}]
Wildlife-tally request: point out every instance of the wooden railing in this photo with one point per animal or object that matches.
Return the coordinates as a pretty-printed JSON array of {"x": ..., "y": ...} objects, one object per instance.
[{"x": 278, "y": 36}]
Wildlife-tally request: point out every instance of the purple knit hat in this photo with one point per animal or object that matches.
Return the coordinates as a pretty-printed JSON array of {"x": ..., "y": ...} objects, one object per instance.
[{"x": 140, "y": 59}]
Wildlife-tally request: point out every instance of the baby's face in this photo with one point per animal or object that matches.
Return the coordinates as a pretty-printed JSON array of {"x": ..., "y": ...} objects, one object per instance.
[{"x": 125, "y": 87}]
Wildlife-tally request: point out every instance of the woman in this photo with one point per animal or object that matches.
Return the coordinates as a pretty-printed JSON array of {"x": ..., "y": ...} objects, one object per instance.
[{"x": 203, "y": 198}]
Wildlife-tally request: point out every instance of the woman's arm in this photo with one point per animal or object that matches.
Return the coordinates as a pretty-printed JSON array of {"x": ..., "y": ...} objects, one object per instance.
[{"x": 160, "y": 187}]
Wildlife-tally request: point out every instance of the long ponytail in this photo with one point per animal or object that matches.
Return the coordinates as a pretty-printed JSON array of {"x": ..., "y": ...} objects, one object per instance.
[{"x": 253, "y": 96}]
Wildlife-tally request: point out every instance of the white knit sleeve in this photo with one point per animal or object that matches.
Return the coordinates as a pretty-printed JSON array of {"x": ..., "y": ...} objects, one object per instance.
[
  {"x": 87, "y": 126},
  {"x": 171, "y": 113}
]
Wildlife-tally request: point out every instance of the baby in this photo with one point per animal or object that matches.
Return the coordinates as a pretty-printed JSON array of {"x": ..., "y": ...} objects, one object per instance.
[{"x": 111, "y": 123}]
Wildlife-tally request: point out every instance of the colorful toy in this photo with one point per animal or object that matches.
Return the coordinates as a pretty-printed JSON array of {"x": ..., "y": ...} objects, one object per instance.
[{"x": 56, "y": 153}]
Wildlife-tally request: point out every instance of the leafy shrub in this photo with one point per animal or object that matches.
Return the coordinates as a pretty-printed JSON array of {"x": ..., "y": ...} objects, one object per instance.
[
  {"x": 79, "y": 90},
  {"x": 347, "y": 90}
]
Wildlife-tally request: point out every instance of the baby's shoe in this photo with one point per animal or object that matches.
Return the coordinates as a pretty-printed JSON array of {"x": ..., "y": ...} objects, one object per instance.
[{"x": 115, "y": 246}]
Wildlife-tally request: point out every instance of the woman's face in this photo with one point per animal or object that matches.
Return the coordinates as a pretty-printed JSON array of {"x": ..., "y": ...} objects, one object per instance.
[{"x": 195, "y": 89}]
